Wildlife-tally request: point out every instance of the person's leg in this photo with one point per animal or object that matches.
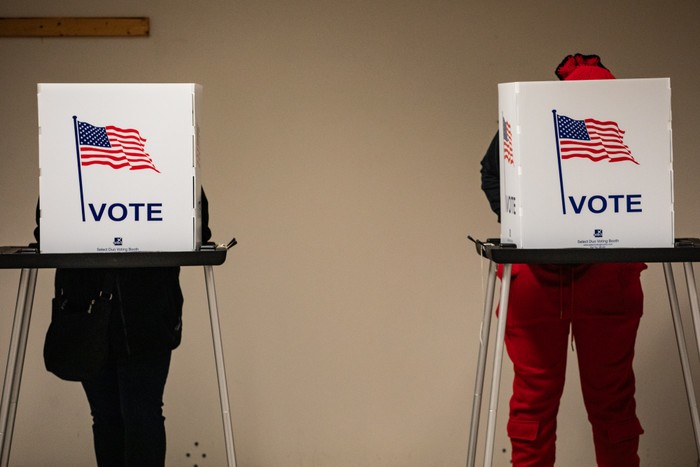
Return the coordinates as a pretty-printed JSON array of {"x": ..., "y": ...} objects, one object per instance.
[
  {"x": 141, "y": 386},
  {"x": 536, "y": 340},
  {"x": 609, "y": 307},
  {"x": 107, "y": 427}
]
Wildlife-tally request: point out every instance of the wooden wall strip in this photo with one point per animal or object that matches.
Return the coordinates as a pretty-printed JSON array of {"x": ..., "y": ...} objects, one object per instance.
[{"x": 71, "y": 27}]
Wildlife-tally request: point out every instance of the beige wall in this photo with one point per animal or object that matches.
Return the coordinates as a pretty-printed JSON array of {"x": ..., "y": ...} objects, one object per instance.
[{"x": 341, "y": 148}]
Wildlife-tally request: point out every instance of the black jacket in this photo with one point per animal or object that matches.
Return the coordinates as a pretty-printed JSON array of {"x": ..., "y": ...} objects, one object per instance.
[
  {"x": 147, "y": 302},
  {"x": 490, "y": 176}
]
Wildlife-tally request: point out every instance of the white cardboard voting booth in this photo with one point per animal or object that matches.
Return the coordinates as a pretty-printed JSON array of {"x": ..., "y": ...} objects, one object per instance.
[
  {"x": 119, "y": 167},
  {"x": 586, "y": 164}
]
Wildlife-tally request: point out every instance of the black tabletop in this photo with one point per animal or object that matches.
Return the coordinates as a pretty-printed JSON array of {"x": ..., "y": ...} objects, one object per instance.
[
  {"x": 686, "y": 250},
  {"x": 28, "y": 257}
]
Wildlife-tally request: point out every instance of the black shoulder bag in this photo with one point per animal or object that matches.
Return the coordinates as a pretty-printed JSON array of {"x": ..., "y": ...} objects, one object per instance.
[{"x": 76, "y": 347}]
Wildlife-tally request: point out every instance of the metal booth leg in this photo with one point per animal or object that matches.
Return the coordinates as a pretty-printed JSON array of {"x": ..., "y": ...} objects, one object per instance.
[
  {"x": 683, "y": 350},
  {"x": 220, "y": 367},
  {"x": 693, "y": 299},
  {"x": 15, "y": 361},
  {"x": 695, "y": 313},
  {"x": 497, "y": 364},
  {"x": 481, "y": 363}
]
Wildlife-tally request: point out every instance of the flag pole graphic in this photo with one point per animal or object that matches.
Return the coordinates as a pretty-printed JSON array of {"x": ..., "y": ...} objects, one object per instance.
[
  {"x": 561, "y": 178},
  {"x": 80, "y": 172}
]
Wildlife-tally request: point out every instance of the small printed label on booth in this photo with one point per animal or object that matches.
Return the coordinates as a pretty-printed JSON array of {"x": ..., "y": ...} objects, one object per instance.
[{"x": 598, "y": 242}]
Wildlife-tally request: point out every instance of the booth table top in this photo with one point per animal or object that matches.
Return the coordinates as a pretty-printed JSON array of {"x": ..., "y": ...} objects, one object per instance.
[
  {"x": 16, "y": 257},
  {"x": 685, "y": 250}
]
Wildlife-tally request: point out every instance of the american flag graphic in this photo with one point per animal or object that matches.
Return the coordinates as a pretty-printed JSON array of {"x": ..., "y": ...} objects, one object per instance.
[
  {"x": 507, "y": 142},
  {"x": 592, "y": 139},
  {"x": 113, "y": 146}
]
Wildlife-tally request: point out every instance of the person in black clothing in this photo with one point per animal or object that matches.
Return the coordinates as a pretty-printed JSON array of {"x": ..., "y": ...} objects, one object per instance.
[
  {"x": 491, "y": 177},
  {"x": 126, "y": 398}
]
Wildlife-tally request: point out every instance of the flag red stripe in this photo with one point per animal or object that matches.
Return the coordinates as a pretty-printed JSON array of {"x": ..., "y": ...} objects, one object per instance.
[
  {"x": 97, "y": 162},
  {"x": 594, "y": 149}
]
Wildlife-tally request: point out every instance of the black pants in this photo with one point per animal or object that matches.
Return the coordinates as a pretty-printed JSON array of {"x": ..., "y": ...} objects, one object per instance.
[{"x": 126, "y": 403}]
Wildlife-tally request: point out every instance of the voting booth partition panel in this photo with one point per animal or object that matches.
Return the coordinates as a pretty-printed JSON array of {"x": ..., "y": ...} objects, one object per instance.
[
  {"x": 119, "y": 167},
  {"x": 586, "y": 164}
]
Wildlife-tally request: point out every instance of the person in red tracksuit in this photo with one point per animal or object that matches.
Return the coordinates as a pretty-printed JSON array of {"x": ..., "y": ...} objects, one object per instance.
[{"x": 599, "y": 306}]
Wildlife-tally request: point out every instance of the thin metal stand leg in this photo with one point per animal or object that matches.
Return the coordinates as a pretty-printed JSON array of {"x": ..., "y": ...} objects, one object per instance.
[
  {"x": 497, "y": 364},
  {"x": 683, "y": 352},
  {"x": 693, "y": 298},
  {"x": 15, "y": 361},
  {"x": 695, "y": 313},
  {"x": 481, "y": 363},
  {"x": 220, "y": 367}
]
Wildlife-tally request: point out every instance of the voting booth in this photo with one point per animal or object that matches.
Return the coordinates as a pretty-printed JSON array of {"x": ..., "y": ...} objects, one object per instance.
[
  {"x": 119, "y": 188},
  {"x": 586, "y": 177},
  {"x": 119, "y": 167},
  {"x": 586, "y": 164}
]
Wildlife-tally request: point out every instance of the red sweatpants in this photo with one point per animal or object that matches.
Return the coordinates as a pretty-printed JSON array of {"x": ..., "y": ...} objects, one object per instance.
[{"x": 602, "y": 305}]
